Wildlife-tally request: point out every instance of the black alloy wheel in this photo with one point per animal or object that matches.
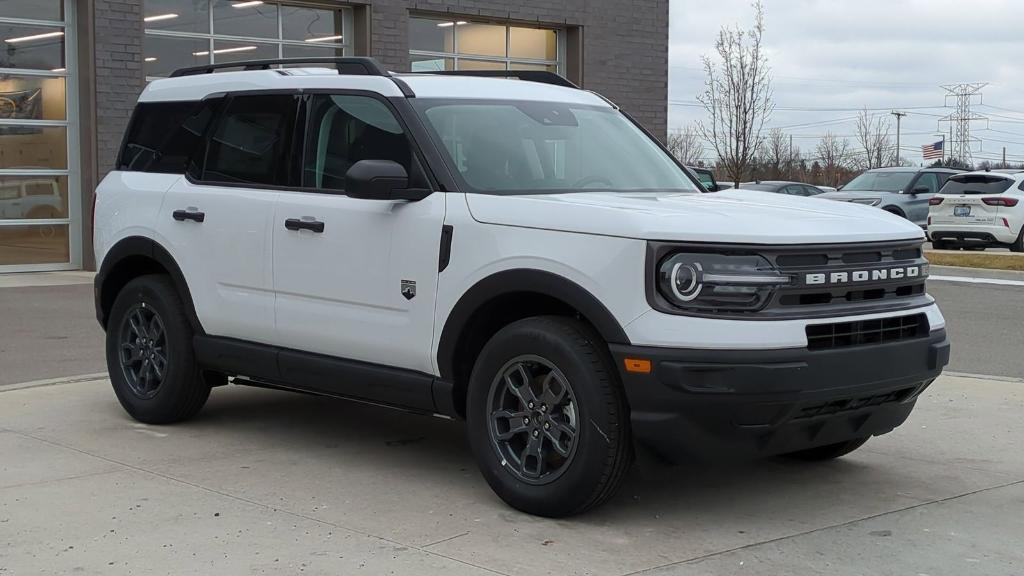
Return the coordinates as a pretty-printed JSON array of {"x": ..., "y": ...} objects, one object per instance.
[
  {"x": 533, "y": 419},
  {"x": 143, "y": 350}
]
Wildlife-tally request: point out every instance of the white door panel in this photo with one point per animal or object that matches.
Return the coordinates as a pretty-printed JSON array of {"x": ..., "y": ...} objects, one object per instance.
[
  {"x": 339, "y": 292},
  {"x": 226, "y": 257}
]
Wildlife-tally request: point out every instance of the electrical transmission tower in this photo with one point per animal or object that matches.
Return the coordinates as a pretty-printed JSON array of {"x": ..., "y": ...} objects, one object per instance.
[{"x": 960, "y": 141}]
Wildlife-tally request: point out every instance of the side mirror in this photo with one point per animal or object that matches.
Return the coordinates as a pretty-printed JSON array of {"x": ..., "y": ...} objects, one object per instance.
[
  {"x": 921, "y": 190},
  {"x": 381, "y": 180}
]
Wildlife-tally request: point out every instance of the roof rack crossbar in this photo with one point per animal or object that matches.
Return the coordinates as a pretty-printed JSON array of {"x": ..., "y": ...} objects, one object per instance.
[
  {"x": 355, "y": 66},
  {"x": 542, "y": 76}
]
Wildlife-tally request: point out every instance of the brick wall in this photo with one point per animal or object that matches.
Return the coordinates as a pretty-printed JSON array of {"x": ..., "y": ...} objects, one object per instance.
[{"x": 118, "y": 73}]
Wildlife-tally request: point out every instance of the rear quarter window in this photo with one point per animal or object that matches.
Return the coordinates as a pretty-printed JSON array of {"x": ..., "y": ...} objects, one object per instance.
[
  {"x": 163, "y": 136},
  {"x": 976, "y": 184}
]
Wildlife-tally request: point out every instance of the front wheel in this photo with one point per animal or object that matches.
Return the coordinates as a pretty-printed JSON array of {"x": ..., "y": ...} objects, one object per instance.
[
  {"x": 547, "y": 419},
  {"x": 149, "y": 353}
]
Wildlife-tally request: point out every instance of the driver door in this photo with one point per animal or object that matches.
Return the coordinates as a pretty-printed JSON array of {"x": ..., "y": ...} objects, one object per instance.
[{"x": 358, "y": 280}]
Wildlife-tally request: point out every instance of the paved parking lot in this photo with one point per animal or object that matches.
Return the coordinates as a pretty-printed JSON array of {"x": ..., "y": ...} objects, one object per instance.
[{"x": 271, "y": 482}]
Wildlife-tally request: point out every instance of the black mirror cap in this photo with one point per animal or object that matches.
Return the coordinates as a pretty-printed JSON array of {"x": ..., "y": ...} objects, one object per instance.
[{"x": 381, "y": 180}]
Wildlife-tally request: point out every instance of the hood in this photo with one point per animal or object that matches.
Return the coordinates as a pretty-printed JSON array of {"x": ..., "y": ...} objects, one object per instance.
[{"x": 734, "y": 216}]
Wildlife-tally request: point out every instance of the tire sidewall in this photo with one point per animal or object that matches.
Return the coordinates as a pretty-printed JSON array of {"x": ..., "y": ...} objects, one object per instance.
[
  {"x": 154, "y": 292},
  {"x": 595, "y": 425}
]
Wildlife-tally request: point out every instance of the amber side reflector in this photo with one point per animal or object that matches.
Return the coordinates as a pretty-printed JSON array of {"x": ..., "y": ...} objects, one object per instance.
[{"x": 637, "y": 365}]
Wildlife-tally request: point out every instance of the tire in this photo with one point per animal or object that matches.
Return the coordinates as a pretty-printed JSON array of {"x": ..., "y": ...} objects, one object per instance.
[
  {"x": 1018, "y": 245},
  {"x": 575, "y": 472},
  {"x": 942, "y": 245},
  {"x": 828, "y": 451},
  {"x": 148, "y": 393}
]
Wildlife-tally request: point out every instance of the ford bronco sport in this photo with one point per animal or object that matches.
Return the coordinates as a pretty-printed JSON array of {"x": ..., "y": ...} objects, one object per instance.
[{"x": 514, "y": 252}]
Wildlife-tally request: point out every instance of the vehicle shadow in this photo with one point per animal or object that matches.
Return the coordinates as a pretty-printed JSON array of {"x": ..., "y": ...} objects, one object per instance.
[{"x": 348, "y": 434}]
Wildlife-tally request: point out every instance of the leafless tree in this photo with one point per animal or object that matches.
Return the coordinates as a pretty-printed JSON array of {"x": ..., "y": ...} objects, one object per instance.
[
  {"x": 686, "y": 146},
  {"x": 833, "y": 154},
  {"x": 777, "y": 154},
  {"x": 737, "y": 96},
  {"x": 873, "y": 136}
]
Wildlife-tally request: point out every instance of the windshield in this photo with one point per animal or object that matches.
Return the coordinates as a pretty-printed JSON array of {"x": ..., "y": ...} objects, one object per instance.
[
  {"x": 976, "y": 184},
  {"x": 880, "y": 182},
  {"x": 519, "y": 147}
]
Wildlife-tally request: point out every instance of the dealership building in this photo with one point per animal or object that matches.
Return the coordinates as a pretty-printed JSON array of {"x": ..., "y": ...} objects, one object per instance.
[{"x": 71, "y": 70}]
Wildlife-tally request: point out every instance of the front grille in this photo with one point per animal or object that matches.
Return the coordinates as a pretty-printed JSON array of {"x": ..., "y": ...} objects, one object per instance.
[
  {"x": 866, "y": 332},
  {"x": 850, "y": 404}
]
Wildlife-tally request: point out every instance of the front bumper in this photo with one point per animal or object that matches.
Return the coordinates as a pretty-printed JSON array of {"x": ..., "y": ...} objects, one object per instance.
[{"x": 752, "y": 403}]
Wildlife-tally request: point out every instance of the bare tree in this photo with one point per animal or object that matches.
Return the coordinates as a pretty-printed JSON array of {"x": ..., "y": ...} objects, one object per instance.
[
  {"x": 777, "y": 154},
  {"x": 833, "y": 155},
  {"x": 873, "y": 137},
  {"x": 737, "y": 96},
  {"x": 686, "y": 146}
]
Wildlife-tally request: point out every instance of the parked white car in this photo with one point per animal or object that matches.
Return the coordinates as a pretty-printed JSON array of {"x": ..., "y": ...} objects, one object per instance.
[
  {"x": 978, "y": 210},
  {"x": 515, "y": 253},
  {"x": 31, "y": 198}
]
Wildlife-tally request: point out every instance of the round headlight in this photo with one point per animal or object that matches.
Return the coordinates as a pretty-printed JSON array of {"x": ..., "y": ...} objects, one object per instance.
[{"x": 687, "y": 280}]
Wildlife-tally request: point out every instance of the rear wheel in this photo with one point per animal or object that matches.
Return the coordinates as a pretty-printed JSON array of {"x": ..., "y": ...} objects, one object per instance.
[
  {"x": 942, "y": 245},
  {"x": 149, "y": 353},
  {"x": 1018, "y": 245},
  {"x": 547, "y": 419},
  {"x": 828, "y": 451}
]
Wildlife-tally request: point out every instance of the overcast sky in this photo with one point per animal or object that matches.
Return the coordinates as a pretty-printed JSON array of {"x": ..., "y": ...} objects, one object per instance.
[{"x": 829, "y": 58}]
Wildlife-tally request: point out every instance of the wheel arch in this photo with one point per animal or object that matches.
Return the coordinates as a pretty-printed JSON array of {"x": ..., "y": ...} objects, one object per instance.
[
  {"x": 502, "y": 298},
  {"x": 130, "y": 258},
  {"x": 894, "y": 209}
]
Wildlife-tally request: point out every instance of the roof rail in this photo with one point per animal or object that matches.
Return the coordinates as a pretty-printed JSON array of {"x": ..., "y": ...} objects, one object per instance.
[
  {"x": 355, "y": 66},
  {"x": 542, "y": 76}
]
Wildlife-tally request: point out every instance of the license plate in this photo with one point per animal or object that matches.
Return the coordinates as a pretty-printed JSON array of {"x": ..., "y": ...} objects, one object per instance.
[{"x": 961, "y": 210}]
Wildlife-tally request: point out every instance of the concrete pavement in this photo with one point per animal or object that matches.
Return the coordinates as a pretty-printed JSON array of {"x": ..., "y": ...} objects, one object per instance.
[{"x": 272, "y": 482}]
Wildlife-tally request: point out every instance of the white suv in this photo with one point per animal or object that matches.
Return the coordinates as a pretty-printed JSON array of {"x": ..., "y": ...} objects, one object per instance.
[
  {"x": 517, "y": 253},
  {"x": 979, "y": 209}
]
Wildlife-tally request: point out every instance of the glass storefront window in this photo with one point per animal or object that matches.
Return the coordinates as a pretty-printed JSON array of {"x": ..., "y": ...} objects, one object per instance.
[
  {"x": 165, "y": 54},
  {"x": 179, "y": 32},
  {"x": 532, "y": 43},
  {"x": 33, "y": 197},
  {"x": 32, "y": 97},
  {"x": 240, "y": 18},
  {"x": 34, "y": 244},
  {"x": 32, "y": 9},
  {"x": 34, "y": 47},
  {"x": 311, "y": 25},
  {"x": 455, "y": 44},
  {"x": 177, "y": 15},
  {"x": 33, "y": 147}
]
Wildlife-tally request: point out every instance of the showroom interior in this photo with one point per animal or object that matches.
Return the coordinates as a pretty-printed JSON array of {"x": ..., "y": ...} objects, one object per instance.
[{"x": 71, "y": 70}]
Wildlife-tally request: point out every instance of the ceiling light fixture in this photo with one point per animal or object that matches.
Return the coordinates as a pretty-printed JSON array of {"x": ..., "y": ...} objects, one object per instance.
[
  {"x": 151, "y": 59},
  {"x": 33, "y": 37},
  {"x": 249, "y": 4},
  {"x": 58, "y": 70},
  {"x": 225, "y": 50},
  {"x": 324, "y": 39},
  {"x": 159, "y": 17}
]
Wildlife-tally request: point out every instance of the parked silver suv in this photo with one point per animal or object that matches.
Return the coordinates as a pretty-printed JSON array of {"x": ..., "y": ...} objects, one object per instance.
[{"x": 901, "y": 190}]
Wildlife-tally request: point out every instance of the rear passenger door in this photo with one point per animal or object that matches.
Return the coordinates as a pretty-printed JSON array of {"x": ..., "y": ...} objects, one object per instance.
[
  {"x": 219, "y": 218},
  {"x": 361, "y": 283}
]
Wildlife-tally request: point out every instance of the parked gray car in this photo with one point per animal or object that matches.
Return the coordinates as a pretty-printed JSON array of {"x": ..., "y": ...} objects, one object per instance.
[{"x": 900, "y": 190}]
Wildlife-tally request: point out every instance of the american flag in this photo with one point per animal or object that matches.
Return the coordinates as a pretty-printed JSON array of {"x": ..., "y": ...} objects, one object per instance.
[{"x": 932, "y": 151}]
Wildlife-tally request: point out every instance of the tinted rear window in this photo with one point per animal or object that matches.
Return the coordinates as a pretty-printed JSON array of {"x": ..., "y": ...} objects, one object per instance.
[
  {"x": 163, "y": 135},
  {"x": 976, "y": 184},
  {"x": 251, "y": 141}
]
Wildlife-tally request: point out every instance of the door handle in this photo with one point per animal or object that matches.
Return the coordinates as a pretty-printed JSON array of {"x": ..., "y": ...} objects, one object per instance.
[
  {"x": 192, "y": 214},
  {"x": 301, "y": 224}
]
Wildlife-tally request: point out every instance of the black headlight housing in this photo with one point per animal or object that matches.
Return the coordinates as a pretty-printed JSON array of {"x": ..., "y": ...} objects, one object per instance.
[{"x": 686, "y": 280}]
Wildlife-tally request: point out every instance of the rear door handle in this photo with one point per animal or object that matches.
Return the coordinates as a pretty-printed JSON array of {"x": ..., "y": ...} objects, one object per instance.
[
  {"x": 302, "y": 224},
  {"x": 190, "y": 214}
]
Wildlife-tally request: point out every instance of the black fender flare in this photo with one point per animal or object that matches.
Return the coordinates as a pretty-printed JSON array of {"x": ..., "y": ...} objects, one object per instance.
[
  {"x": 110, "y": 274},
  {"x": 523, "y": 280}
]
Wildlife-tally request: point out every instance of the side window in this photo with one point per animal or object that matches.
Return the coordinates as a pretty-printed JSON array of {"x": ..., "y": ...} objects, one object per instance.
[
  {"x": 251, "y": 142},
  {"x": 344, "y": 129},
  {"x": 927, "y": 179},
  {"x": 811, "y": 191},
  {"x": 794, "y": 190},
  {"x": 163, "y": 136}
]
